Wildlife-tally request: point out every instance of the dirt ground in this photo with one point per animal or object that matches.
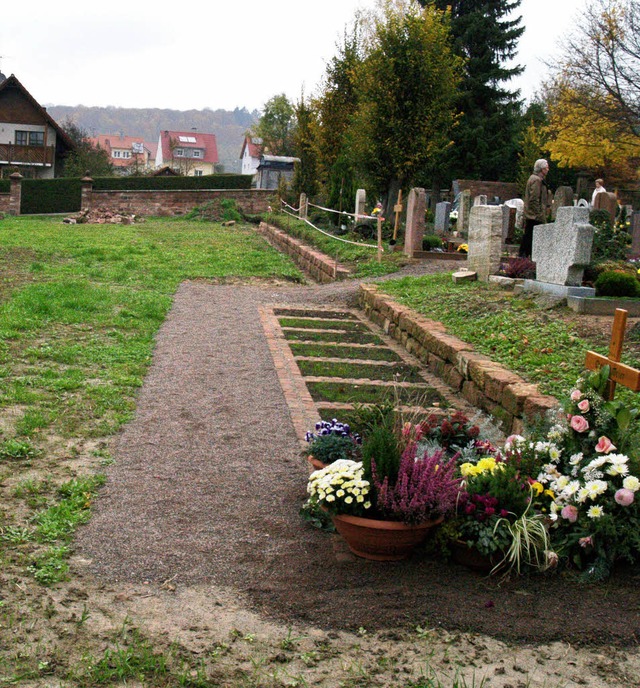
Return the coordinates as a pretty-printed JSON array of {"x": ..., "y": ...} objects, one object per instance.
[{"x": 196, "y": 546}]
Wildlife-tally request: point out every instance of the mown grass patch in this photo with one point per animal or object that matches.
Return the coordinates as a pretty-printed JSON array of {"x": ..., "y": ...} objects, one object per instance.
[
  {"x": 308, "y": 313},
  {"x": 340, "y": 392},
  {"x": 324, "y": 324},
  {"x": 400, "y": 373},
  {"x": 337, "y": 337},
  {"x": 370, "y": 353}
]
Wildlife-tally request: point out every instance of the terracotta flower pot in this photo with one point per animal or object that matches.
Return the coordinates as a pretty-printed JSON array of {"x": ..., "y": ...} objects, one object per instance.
[
  {"x": 381, "y": 540},
  {"x": 472, "y": 559},
  {"x": 315, "y": 464}
]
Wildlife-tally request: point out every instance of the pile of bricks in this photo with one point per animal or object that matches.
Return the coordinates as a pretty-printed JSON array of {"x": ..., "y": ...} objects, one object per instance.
[{"x": 102, "y": 216}]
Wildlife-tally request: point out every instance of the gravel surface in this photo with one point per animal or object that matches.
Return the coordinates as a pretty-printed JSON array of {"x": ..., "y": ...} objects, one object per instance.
[{"x": 208, "y": 481}]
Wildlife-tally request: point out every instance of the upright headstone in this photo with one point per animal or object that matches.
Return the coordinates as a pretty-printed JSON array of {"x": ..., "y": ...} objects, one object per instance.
[
  {"x": 607, "y": 201},
  {"x": 414, "y": 230},
  {"x": 518, "y": 204},
  {"x": 485, "y": 240},
  {"x": 480, "y": 200},
  {"x": 563, "y": 197},
  {"x": 508, "y": 223},
  {"x": 441, "y": 223},
  {"x": 562, "y": 249},
  {"x": 464, "y": 206},
  {"x": 635, "y": 235},
  {"x": 361, "y": 200}
]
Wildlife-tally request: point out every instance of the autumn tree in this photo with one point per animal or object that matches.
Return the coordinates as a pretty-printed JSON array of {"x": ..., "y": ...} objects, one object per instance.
[
  {"x": 408, "y": 81},
  {"x": 593, "y": 95},
  {"x": 486, "y": 138},
  {"x": 276, "y": 126}
]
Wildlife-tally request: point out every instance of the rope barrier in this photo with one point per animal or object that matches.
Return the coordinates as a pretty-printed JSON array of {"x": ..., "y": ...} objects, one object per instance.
[
  {"x": 332, "y": 236},
  {"x": 340, "y": 212}
]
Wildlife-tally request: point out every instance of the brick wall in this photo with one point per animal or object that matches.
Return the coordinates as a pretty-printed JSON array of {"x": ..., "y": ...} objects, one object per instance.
[
  {"x": 319, "y": 266},
  {"x": 170, "y": 203},
  {"x": 5, "y": 202},
  {"x": 504, "y": 190},
  {"x": 483, "y": 383}
]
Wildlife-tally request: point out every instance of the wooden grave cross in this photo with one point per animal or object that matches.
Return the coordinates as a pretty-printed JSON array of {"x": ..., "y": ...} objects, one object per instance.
[
  {"x": 619, "y": 373},
  {"x": 397, "y": 209}
]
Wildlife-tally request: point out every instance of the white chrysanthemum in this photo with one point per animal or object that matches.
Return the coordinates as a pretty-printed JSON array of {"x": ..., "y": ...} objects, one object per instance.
[
  {"x": 631, "y": 483},
  {"x": 576, "y": 459},
  {"x": 561, "y": 483},
  {"x": 348, "y": 500},
  {"x": 618, "y": 459},
  {"x": 582, "y": 495},
  {"x": 330, "y": 498},
  {"x": 618, "y": 469},
  {"x": 554, "y": 453},
  {"x": 592, "y": 475},
  {"x": 596, "y": 463},
  {"x": 340, "y": 493},
  {"x": 596, "y": 487},
  {"x": 595, "y": 511}
]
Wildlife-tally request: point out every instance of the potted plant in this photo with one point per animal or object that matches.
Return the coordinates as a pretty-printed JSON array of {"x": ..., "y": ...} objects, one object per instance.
[
  {"x": 330, "y": 442},
  {"x": 386, "y": 505}
]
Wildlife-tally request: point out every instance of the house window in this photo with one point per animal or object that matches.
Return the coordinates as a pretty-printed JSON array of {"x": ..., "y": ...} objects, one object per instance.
[
  {"x": 36, "y": 138},
  {"x": 197, "y": 173},
  {"x": 22, "y": 138},
  {"x": 197, "y": 154},
  {"x": 116, "y": 154},
  {"x": 179, "y": 152}
]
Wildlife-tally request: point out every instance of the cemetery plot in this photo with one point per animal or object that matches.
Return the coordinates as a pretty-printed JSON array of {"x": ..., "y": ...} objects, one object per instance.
[{"x": 346, "y": 366}]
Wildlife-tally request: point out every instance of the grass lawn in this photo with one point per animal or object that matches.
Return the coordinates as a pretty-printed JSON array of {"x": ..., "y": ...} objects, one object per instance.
[{"x": 79, "y": 309}]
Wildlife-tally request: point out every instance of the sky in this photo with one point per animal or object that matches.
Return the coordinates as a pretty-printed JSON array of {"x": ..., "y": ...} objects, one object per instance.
[{"x": 208, "y": 54}]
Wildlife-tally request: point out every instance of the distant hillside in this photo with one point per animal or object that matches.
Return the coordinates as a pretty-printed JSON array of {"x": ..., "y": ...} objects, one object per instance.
[{"x": 228, "y": 126}]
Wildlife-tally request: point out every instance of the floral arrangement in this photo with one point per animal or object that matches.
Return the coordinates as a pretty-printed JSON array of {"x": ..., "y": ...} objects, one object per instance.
[
  {"x": 332, "y": 441},
  {"x": 425, "y": 487},
  {"x": 340, "y": 488},
  {"x": 463, "y": 248}
]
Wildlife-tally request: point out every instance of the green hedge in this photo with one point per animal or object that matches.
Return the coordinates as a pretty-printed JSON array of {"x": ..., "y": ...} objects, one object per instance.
[
  {"x": 209, "y": 181},
  {"x": 61, "y": 195},
  {"x": 5, "y": 186}
]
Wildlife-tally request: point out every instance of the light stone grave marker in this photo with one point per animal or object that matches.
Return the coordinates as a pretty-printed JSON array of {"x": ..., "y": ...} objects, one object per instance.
[
  {"x": 464, "y": 206},
  {"x": 361, "y": 200},
  {"x": 561, "y": 250},
  {"x": 563, "y": 197},
  {"x": 486, "y": 224}
]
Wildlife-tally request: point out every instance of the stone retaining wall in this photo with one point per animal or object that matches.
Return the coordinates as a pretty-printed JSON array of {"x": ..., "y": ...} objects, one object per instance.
[
  {"x": 483, "y": 383},
  {"x": 322, "y": 268},
  {"x": 5, "y": 203},
  {"x": 175, "y": 202}
]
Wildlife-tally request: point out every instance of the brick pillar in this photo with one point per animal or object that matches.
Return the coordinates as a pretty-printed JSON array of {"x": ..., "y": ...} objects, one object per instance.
[
  {"x": 15, "y": 193},
  {"x": 86, "y": 193}
]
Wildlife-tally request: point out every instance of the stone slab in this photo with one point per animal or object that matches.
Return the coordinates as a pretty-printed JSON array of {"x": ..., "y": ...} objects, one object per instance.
[
  {"x": 559, "y": 290},
  {"x": 599, "y": 306},
  {"x": 464, "y": 276}
]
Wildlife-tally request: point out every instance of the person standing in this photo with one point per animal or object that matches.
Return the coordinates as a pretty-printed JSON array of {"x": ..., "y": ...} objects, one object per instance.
[
  {"x": 535, "y": 205},
  {"x": 599, "y": 189}
]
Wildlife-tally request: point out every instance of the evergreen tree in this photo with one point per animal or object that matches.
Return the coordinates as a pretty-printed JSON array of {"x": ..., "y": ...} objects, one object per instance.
[
  {"x": 305, "y": 174},
  {"x": 486, "y": 139},
  {"x": 84, "y": 157}
]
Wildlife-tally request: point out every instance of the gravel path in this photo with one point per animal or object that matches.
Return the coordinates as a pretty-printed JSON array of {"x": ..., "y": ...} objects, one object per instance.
[{"x": 208, "y": 481}]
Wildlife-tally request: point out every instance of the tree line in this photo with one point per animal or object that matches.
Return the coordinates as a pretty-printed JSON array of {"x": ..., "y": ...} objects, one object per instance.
[{"x": 418, "y": 94}]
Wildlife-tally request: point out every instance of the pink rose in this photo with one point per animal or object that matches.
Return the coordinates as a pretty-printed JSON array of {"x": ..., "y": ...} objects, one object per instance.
[
  {"x": 579, "y": 423},
  {"x": 624, "y": 497},
  {"x": 583, "y": 405},
  {"x": 570, "y": 513},
  {"x": 585, "y": 541},
  {"x": 605, "y": 445},
  {"x": 576, "y": 394}
]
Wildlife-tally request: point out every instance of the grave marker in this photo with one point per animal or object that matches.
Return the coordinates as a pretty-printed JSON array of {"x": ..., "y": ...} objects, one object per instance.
[{"x": 441, "y": 223}]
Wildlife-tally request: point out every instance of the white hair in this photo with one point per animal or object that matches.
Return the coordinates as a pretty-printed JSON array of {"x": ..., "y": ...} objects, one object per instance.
[{"x": 539, "y": 165}]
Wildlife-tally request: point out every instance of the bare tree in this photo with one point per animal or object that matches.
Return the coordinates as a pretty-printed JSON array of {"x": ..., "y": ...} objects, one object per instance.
[{"x": 600, "y": 63}]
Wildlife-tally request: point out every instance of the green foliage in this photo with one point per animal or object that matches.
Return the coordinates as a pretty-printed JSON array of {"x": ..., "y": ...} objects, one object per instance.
[
  {"x": 613, "y": 283},
  {"x": 84, "y": 157},
  {"x": 305, "y": 172},
  {"x": 610, "y": 240},
  {"x": 381, "y": 446},
  {"x": 276, "y": 126},
  {"x": 206, "y": 181},
  {"x": 485, "y": 33},
  {"x": 431, "y": 241},
  {"x": 218, "y": 210},
  {"x": 330, "y": 448},
  {"x": 50, "y": 196},
  {"x": 14, "y": 449},
  {"x": 408, "y": 82}
]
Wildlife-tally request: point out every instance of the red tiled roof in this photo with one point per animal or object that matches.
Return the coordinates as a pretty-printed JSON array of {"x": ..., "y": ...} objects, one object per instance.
[
  {"x": 255, "y": 149},
  {"x": 110, "y": 142},
  {"x": 205, "y": 142}
]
